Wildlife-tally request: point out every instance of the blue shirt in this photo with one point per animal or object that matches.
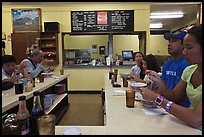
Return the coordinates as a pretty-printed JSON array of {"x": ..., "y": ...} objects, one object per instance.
[{"x": 171, "y": 74}]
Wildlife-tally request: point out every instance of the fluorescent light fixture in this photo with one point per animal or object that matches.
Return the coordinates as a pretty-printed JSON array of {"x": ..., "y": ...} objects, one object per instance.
[
  {"x": 156, "y": 25},
  {"x": 166, "y": 15}
]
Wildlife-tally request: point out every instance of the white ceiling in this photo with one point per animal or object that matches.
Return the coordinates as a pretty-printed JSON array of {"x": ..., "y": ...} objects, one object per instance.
[{"x": 188, "y": 8}]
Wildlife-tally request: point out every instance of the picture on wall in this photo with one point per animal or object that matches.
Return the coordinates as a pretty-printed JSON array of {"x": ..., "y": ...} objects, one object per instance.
[{"x": 26, "y": 20}]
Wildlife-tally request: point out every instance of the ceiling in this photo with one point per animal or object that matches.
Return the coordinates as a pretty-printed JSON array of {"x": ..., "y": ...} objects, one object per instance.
[{"x": 188, "y": 8}]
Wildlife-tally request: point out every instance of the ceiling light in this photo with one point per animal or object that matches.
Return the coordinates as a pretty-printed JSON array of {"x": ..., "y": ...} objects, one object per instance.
[
  {"x": 156, "y": 25},
  {"x": 166, "y": 15}
]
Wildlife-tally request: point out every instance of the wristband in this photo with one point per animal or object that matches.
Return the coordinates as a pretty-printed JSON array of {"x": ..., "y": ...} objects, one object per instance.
[
  {"x": 159, "y": 100},
  {"x": 168, "y": 106}
]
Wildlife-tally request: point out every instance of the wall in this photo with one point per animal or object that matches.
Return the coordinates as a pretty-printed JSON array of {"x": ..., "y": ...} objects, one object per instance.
[
  {"x": 61, "y": 14},
  {"x": 158, "y": 45},
  {"x": 84, "y": 79}
]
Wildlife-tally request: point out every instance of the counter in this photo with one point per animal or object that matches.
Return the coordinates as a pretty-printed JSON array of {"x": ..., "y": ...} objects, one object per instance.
[
  {"x": 86, "y": 65},
  {"x": 133, "y": 121},
  {"x": 10, "y": 99}
]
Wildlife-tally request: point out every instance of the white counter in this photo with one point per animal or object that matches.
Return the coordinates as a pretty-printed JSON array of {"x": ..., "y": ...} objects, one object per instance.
[
  {"x": 133, "y": 121},
  {"x": 10, "y": 99}
]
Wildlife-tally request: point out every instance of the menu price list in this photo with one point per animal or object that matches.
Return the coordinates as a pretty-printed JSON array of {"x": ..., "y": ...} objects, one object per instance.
[{"x": 95, "y": 21}]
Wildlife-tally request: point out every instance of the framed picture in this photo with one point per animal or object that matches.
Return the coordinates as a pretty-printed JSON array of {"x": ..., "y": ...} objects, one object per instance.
[{"x": 26, "y": 20}]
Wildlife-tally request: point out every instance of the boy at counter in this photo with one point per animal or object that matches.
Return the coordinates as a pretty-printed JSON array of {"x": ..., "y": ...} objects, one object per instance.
[
  {"x": 9, "y": 70},
  {"x": 189, "y": 86},
  {"x": 173, "y": 68},
  {"x": 35, "y": 64}
]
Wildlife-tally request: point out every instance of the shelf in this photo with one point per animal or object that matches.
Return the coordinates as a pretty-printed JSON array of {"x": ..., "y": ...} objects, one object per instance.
[
  {"x": 55, "y": 102},
  {"x": 48, "y": 42},
  {"x": 47, "y": 38},
  {"x": 48, "y": 47}
]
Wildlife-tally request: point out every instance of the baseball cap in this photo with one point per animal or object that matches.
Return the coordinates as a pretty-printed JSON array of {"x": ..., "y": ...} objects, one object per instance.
[{"x": 177, "y": 35}]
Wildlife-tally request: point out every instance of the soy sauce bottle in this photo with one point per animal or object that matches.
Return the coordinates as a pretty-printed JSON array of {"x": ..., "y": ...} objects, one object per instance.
[{"x": 37, "y": 111}]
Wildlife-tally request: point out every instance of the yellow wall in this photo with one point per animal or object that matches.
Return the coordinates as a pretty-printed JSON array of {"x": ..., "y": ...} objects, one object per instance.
[
  {"x": 125, "y": 42},
  {"x": 158, "y": 45},
  {"x": 201, "y": 12},
  {"x": 61, "y": 14},
  {"x": 88, "y": 79}
]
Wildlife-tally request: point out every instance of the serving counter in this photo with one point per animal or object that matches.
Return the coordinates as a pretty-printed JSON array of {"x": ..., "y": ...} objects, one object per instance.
[
  {"x": 10, "y": 99},
  {"x": 133, "y": 121}
]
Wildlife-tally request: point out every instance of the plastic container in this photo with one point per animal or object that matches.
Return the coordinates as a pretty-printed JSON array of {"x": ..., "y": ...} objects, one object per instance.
[{"x": 59, "y": 88}]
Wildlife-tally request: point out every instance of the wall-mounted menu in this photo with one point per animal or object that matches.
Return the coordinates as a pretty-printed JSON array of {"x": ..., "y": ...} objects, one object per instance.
[{"x": 105, "y": 21}]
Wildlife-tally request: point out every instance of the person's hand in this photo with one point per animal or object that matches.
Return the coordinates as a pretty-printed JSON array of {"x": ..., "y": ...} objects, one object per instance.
[
  {"x": 21, "y": 67},
  {"x": 154, "y": 77},
  {"x": 148, "y": 94},
  {"x": 13, "y": 78},
  {"x": 43, "y": 62},
  {"x": 52, "y": 69}
]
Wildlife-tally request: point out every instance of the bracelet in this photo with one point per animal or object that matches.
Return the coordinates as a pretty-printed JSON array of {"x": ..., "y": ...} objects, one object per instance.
[{"x": 168, "y": 106}]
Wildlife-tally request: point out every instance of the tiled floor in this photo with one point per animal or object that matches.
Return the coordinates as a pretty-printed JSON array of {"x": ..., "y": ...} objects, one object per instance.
[{"x": 84, "y": 109}]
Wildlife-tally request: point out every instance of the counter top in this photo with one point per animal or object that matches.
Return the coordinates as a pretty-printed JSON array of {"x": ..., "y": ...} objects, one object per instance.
[
  {"x": 10, "y": 99},
  {"x": 121, "y": 120}
]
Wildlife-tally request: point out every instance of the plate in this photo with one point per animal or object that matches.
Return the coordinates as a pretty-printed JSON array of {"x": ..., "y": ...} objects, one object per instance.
[
  {"x": 47, "y": 74},
  {"x": 137, "y": 85}
]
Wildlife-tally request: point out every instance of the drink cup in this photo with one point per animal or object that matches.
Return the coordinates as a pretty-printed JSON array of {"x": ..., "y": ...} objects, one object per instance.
[
  {"x": 115, "y": 77},
  {"x": 46, "y": 124},
  {"x": 19, "y": 88},
  {"x": 61, "y": 71},
  {"x": 110, "y": 75},
  {"x": 116, "y": 71},
  {"x": 125, "y": 82},
  {"x": 41, "y": 78},
  {"x": 130, "y": 98}
]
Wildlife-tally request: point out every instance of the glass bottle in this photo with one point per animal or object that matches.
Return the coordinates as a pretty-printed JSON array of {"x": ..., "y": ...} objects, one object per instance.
[
  {"x": 37, "y": 111},
  {"x": 110, "y": 73},
  {"x": 23, "y": 116},
  {"x": 29, "y": 86},
  {"x": 33, "y": 82},
  {"x": 18, "y": 78}
]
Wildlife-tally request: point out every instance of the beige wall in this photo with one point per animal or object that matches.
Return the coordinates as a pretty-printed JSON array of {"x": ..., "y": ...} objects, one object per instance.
[
  {"x": 61, "y": 14},
  {"x": 88, "y": 79},
  {"x": 158, "y": 45}
]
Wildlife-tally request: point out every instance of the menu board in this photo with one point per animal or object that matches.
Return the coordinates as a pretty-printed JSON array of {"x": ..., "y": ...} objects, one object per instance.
[{"x": 105, "y": 21}]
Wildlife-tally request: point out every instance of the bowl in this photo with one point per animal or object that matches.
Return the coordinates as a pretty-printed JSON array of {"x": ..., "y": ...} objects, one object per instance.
[
  {"x": 149, "y": 104},
  {"x": 124, "y": 74},
  {"x": 137, "y": 85}
]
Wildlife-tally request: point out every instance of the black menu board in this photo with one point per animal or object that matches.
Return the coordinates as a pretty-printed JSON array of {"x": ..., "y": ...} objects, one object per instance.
[{"x": 105, "y": 21}]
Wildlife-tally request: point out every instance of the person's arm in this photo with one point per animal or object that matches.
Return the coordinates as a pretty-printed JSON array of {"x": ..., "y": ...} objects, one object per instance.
[
  {"x": 193, "y": 117},
  {"x": 12, "y": 79},
  {"x": 30, "y": 68},
  {"x": 136, "y": 78}
]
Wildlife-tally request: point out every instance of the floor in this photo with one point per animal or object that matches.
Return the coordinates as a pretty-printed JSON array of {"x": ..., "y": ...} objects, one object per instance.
[{"x": 84, "y": 110}]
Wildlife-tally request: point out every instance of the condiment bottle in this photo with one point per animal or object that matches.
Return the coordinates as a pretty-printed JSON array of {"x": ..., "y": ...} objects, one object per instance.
[
  {"x": 37, "y": 111},
  {"x": 23, "y": 116}
]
